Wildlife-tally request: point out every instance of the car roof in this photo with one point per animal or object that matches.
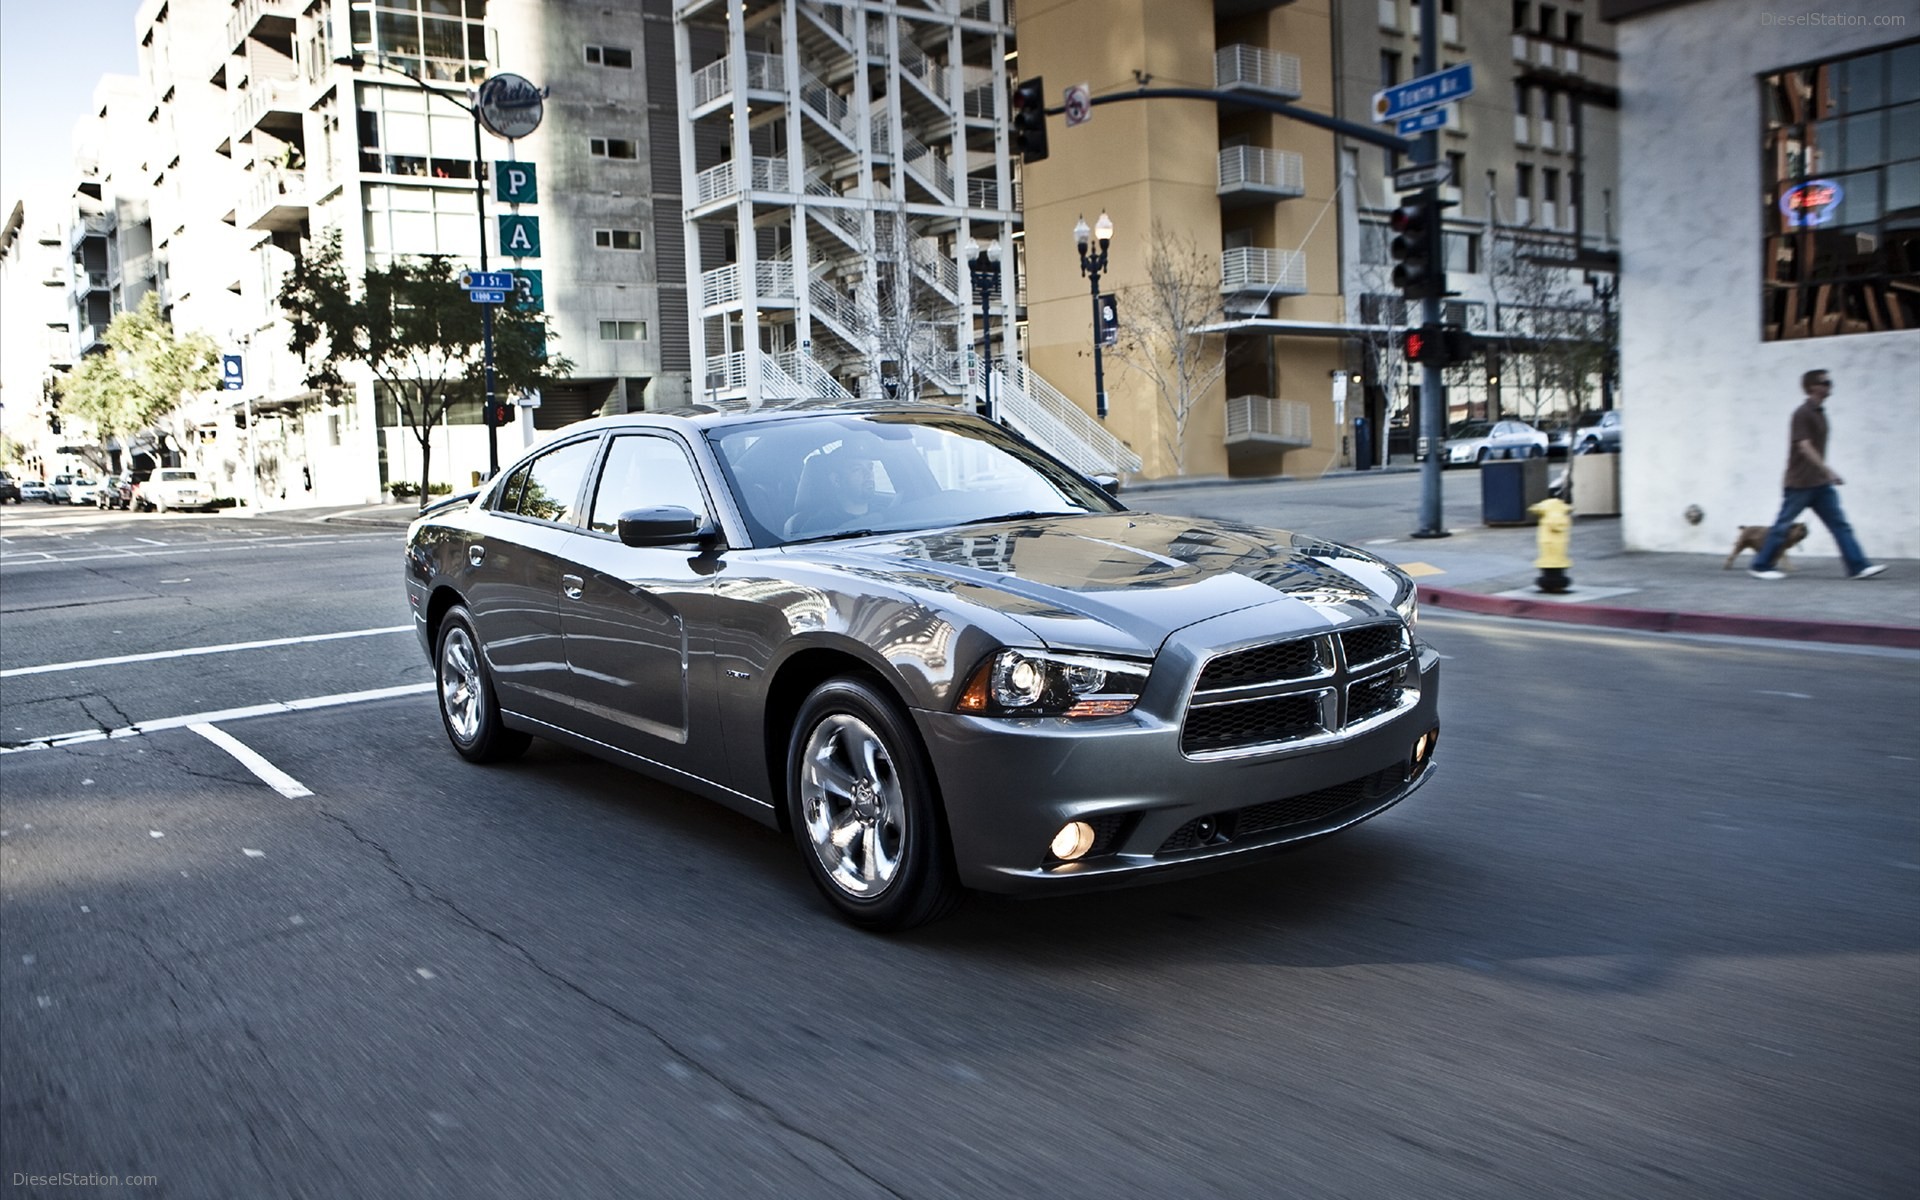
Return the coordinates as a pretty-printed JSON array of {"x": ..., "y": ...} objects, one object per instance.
[{"x": 726, "y": 413}]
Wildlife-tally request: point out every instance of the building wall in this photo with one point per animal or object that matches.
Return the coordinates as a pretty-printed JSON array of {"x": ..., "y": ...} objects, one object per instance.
[
  {"x": 1709, "y": 427},
  {"x": 1155, "y": 164}
]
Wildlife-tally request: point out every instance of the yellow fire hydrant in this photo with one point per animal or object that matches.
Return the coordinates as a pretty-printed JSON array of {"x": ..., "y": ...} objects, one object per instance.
[{"x": 1553, "y": 533}]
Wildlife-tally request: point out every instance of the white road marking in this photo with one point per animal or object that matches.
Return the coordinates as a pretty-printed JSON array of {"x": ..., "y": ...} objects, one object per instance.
[
  {"x": 1789, "y": 695},
  {"x": 269, "y": 774},
  {"x": 155, "y": 833},
  {"x": 149, "y": 541},
  {"x": 274, "y": 708},
  {"x": 191, "y": 651},
  {"x": 253, "y": 853},
  {"x": 423, "y": 973}
]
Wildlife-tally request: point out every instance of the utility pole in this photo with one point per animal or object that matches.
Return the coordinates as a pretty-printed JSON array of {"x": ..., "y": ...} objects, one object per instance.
[{"x": 1433, "y": 408}]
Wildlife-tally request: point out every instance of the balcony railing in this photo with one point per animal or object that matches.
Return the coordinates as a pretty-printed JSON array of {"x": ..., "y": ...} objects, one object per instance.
[
  {"x": 262, "y": 97},
  {"x": 1255, "y": 169},
  {"x": 720, "y": 181},
  {"x": 721, "y": 286},
  {"x": 91, "y": 281},
  {"x": 249, "y": 13},
  {"x": 276, "y": 201},
  {"x": 1265, "y": 419},
  {"x": 1255, "y": 69},
  {"x": 1248, "y": 270},
  {"x": 765, "y": 73},
  {"x": 89, "y": 225}
]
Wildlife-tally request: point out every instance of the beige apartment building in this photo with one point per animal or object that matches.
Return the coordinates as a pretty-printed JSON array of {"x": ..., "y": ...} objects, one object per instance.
[{"x": 1250, "y": 192}]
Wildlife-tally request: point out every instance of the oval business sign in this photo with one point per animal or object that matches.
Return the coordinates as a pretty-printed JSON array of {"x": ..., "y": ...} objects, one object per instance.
[
  {"x": 510, "y": 106},
  {"x": 1812, "y": 203}
]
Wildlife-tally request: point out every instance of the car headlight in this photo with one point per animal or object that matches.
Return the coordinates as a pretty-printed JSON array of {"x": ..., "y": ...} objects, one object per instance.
[
  {"x": 1037, "y": 683},
  {"x": 1408, "y": 605}
]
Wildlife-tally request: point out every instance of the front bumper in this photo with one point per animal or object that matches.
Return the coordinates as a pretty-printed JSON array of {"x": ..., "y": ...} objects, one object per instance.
[{"x": 1009, "y": 785}]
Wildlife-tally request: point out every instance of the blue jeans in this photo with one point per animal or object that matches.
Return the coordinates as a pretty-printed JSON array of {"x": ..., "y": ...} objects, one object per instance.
[{"x": 1825, "y": 502}]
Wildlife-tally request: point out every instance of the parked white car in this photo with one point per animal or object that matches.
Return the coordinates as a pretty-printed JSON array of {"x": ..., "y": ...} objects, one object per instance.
[
  {"x": 173, "y": 487},
  {"x": 1478, "y": 441},
  {"x": 35, "y": 489},
  {"x": 74, "y": 489}
]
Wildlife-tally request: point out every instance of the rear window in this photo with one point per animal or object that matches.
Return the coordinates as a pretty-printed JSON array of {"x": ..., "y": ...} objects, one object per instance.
[{"x": 165, "y": 475}]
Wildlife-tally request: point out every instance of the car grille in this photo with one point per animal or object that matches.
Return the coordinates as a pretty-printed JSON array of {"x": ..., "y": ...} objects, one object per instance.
[
  {"x": 1299, "y": 688},
  {"x": 1248, "y": 824}
]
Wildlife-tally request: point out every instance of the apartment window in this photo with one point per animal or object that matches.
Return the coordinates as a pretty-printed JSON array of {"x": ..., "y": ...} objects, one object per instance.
[
  {"x": 612, "y": 148},
  {"x": 1457, "y": 167},
  {"x": 401, "y": 133},
  {"x": 1840, "y": 180},
  {"x": 442, "y": 44},
  {"x": 1523, "y": 194},
  {"x": 1461, "y": 251},
  {"x": 1521, "y": 10},
  {"x": 1573, "y": 28},
  {"x": 623, "y": 331},
  {"x": 1389, "y": 68},
  {"x": 1449, "y": 22},
  {"x": 1549, "y": 119},
  {"x": 1547, "y": 14},
  {"x": 610, "y": 56},
  {"x": 1522, "y": 113},
  {"x": 617, "y": 239}
]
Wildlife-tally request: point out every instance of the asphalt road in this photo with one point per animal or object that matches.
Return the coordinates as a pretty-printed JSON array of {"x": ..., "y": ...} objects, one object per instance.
[{"x": 1651, "y": 931}]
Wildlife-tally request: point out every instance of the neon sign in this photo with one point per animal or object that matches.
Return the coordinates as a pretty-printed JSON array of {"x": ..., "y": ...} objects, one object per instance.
[{"x": 1810, "y": 204}]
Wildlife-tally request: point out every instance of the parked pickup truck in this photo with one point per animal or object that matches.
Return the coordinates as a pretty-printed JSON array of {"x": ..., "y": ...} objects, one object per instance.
[{"x": 173, "y": 487}]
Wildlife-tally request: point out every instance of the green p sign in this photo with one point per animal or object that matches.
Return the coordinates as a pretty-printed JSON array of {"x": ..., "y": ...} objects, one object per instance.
[
  {"x": 520, "y": 236},
  {"x": 515, "y": 182}
]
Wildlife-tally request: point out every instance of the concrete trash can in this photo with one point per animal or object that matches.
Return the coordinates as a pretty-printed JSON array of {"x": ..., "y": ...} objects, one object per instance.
[
  {"x": 1509, "y": 487},
  {"x": 1596, "y": 485}
]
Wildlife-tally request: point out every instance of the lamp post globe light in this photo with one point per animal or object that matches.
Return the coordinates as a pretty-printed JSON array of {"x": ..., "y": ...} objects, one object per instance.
[
  {"x": 1093, "y": 244},
  {"x": 983, "y": 263}
]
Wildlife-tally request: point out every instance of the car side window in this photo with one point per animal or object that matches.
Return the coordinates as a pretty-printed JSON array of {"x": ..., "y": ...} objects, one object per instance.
[
  {"x": 551, "y": 490},
  {"x": 643, "y": 472}
]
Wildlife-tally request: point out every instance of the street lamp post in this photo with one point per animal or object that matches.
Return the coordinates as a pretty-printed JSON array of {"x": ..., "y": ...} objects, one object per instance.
[
  {"x": 357, "y": 61},
  {"x": 1605, "y": 288},
  {"x": 1093, "y": 246},
  {"x": 984, "y": 266}
]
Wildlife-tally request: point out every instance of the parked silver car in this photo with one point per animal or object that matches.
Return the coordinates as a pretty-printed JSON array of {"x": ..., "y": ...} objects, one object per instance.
[
  {"x": 1478, "y": 441},
  {"x": 1596, "y": 432},
  {"x": 937, "y": 656}
]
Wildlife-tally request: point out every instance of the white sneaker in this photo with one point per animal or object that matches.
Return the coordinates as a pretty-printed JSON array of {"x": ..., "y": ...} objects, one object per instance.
[
  {"x": 1868, "y": 572},
  {"x": 1771, "y": 574}
]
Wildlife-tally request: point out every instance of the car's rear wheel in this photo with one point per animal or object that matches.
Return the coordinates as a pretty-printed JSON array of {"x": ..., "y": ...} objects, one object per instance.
[
  {"x": 864, "y": 809},
  {"x": 468, "y": 707}
]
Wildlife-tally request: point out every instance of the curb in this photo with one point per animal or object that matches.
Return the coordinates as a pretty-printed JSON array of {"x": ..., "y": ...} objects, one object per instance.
[{"x": 1901, "y": 637}]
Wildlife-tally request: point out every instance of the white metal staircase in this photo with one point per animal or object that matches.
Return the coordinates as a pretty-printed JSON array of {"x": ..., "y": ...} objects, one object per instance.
[{"x": 1043, "y": 413}]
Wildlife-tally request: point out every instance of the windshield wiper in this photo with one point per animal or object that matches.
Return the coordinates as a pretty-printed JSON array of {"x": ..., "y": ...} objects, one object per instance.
[
  {"x": 1024, "y": 515},
  {"x": 840, "y": 535}
]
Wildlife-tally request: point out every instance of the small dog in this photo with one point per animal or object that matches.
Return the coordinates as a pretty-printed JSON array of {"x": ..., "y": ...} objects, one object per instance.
[{"x": 1752, "y": 537}]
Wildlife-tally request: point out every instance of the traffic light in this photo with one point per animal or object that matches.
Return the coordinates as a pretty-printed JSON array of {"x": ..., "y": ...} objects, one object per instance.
[
  {"x": 499, "y": 414},
  {"x": 1419, "y": 266},
  {"x": 1030, "y": 119},
  {"x": 1438, "y": 345}
]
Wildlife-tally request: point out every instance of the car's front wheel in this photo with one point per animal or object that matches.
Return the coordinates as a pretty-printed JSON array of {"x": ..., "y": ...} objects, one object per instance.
[
  {"x": 468, "y": 707},
  {"x": 864, "y": 809}
]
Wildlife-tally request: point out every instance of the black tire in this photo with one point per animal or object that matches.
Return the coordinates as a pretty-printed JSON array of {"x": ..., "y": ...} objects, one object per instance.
[
  {"x": 1537, "y": 452},
  {"x": 469, "y": 711},
  {"x": 1480, "y": 459},
  {"x": 885, "y": 818}
]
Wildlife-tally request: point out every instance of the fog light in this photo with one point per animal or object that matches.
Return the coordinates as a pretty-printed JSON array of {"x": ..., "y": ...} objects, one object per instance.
[
  {"x": 1423, "y": 747},
  {"x": 1074, "y": 840}
]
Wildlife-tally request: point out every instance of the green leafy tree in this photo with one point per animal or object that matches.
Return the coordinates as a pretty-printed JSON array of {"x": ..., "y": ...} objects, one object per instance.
[
  {"x": 144, "y": 374},
  {"x": 411, "y": 326}
]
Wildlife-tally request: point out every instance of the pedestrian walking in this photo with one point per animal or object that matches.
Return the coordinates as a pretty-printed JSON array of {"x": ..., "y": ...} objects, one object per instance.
[{"x": 1811, "y": 483}]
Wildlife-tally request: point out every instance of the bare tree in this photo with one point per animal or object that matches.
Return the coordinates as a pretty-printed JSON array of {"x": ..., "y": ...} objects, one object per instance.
[
  {"x": 1558, "y": 324},
  {"x": 1159, "y": 339}
]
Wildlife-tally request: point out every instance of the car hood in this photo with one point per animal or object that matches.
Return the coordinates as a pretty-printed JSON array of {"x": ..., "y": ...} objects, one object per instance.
[{"x": 1123, "y": 582}]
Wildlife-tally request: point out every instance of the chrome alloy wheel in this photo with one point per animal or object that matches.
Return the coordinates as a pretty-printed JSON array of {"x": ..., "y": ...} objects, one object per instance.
[
  {"x": 853, "y": 807},
  {"x": 460, "y": 695}
]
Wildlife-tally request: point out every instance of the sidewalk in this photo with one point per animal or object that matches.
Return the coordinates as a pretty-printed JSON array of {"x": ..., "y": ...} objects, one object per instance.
[{"x": 1479, "y": 568}]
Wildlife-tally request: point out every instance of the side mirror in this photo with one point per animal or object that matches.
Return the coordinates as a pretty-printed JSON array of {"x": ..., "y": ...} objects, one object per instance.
[
  {"x": 665, "y": 526},
  {"x": 1110, "y": 484}
]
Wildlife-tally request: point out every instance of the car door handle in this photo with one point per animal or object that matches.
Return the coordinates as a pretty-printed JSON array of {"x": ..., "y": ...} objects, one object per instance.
[
  {"x": 475, "y": 554},
  {"x": 571, "y": 585}
]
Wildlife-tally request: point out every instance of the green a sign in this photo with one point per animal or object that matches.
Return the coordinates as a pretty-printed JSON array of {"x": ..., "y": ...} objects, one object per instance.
[
  {"x": 515, "y": 182},
  {"x": 520, "y": 236}
]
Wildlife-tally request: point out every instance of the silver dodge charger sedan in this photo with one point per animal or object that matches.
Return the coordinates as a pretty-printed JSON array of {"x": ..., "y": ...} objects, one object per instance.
[{"x": 936, "y": 655}]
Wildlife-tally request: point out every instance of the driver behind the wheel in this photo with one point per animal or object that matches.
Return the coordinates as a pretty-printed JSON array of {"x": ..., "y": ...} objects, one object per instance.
[{"x": 837, "y": 493}]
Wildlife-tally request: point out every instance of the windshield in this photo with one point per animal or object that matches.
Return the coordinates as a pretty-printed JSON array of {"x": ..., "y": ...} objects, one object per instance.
[
  {"x": 811, "y": 478},
  {"x": 1470, "y": 429}
]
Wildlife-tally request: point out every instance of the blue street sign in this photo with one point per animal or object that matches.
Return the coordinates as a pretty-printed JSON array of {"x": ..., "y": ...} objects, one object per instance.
[
  {"x": 487, "y": 295},
  {"x": 232, "y": 373},
  {"x": 1428, "y": 91},
  {"x": 1420, "y": 122},
  {"x": 491, "y": 281}
]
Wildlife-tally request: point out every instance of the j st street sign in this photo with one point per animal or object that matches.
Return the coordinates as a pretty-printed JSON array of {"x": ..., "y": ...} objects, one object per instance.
[
  {"x": 1428, "y": 91},
  {"x": 487, "y": 281}
]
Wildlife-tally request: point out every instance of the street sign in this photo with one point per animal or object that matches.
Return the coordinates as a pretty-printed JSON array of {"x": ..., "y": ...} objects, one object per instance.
[
  {"x": 516, "y": 182},
  {"x": 527, "y": 398},
  {"x": 1079, "y": 105},
  {"x": 1428, "y": 91},
  {"x": 1408, "y": 179},
  {"x": 487, "y": 296},
  {"x": 232, "y": 373},
  {"x": 1420, "y": 122},
  {"x": 490, "y": 281}
]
